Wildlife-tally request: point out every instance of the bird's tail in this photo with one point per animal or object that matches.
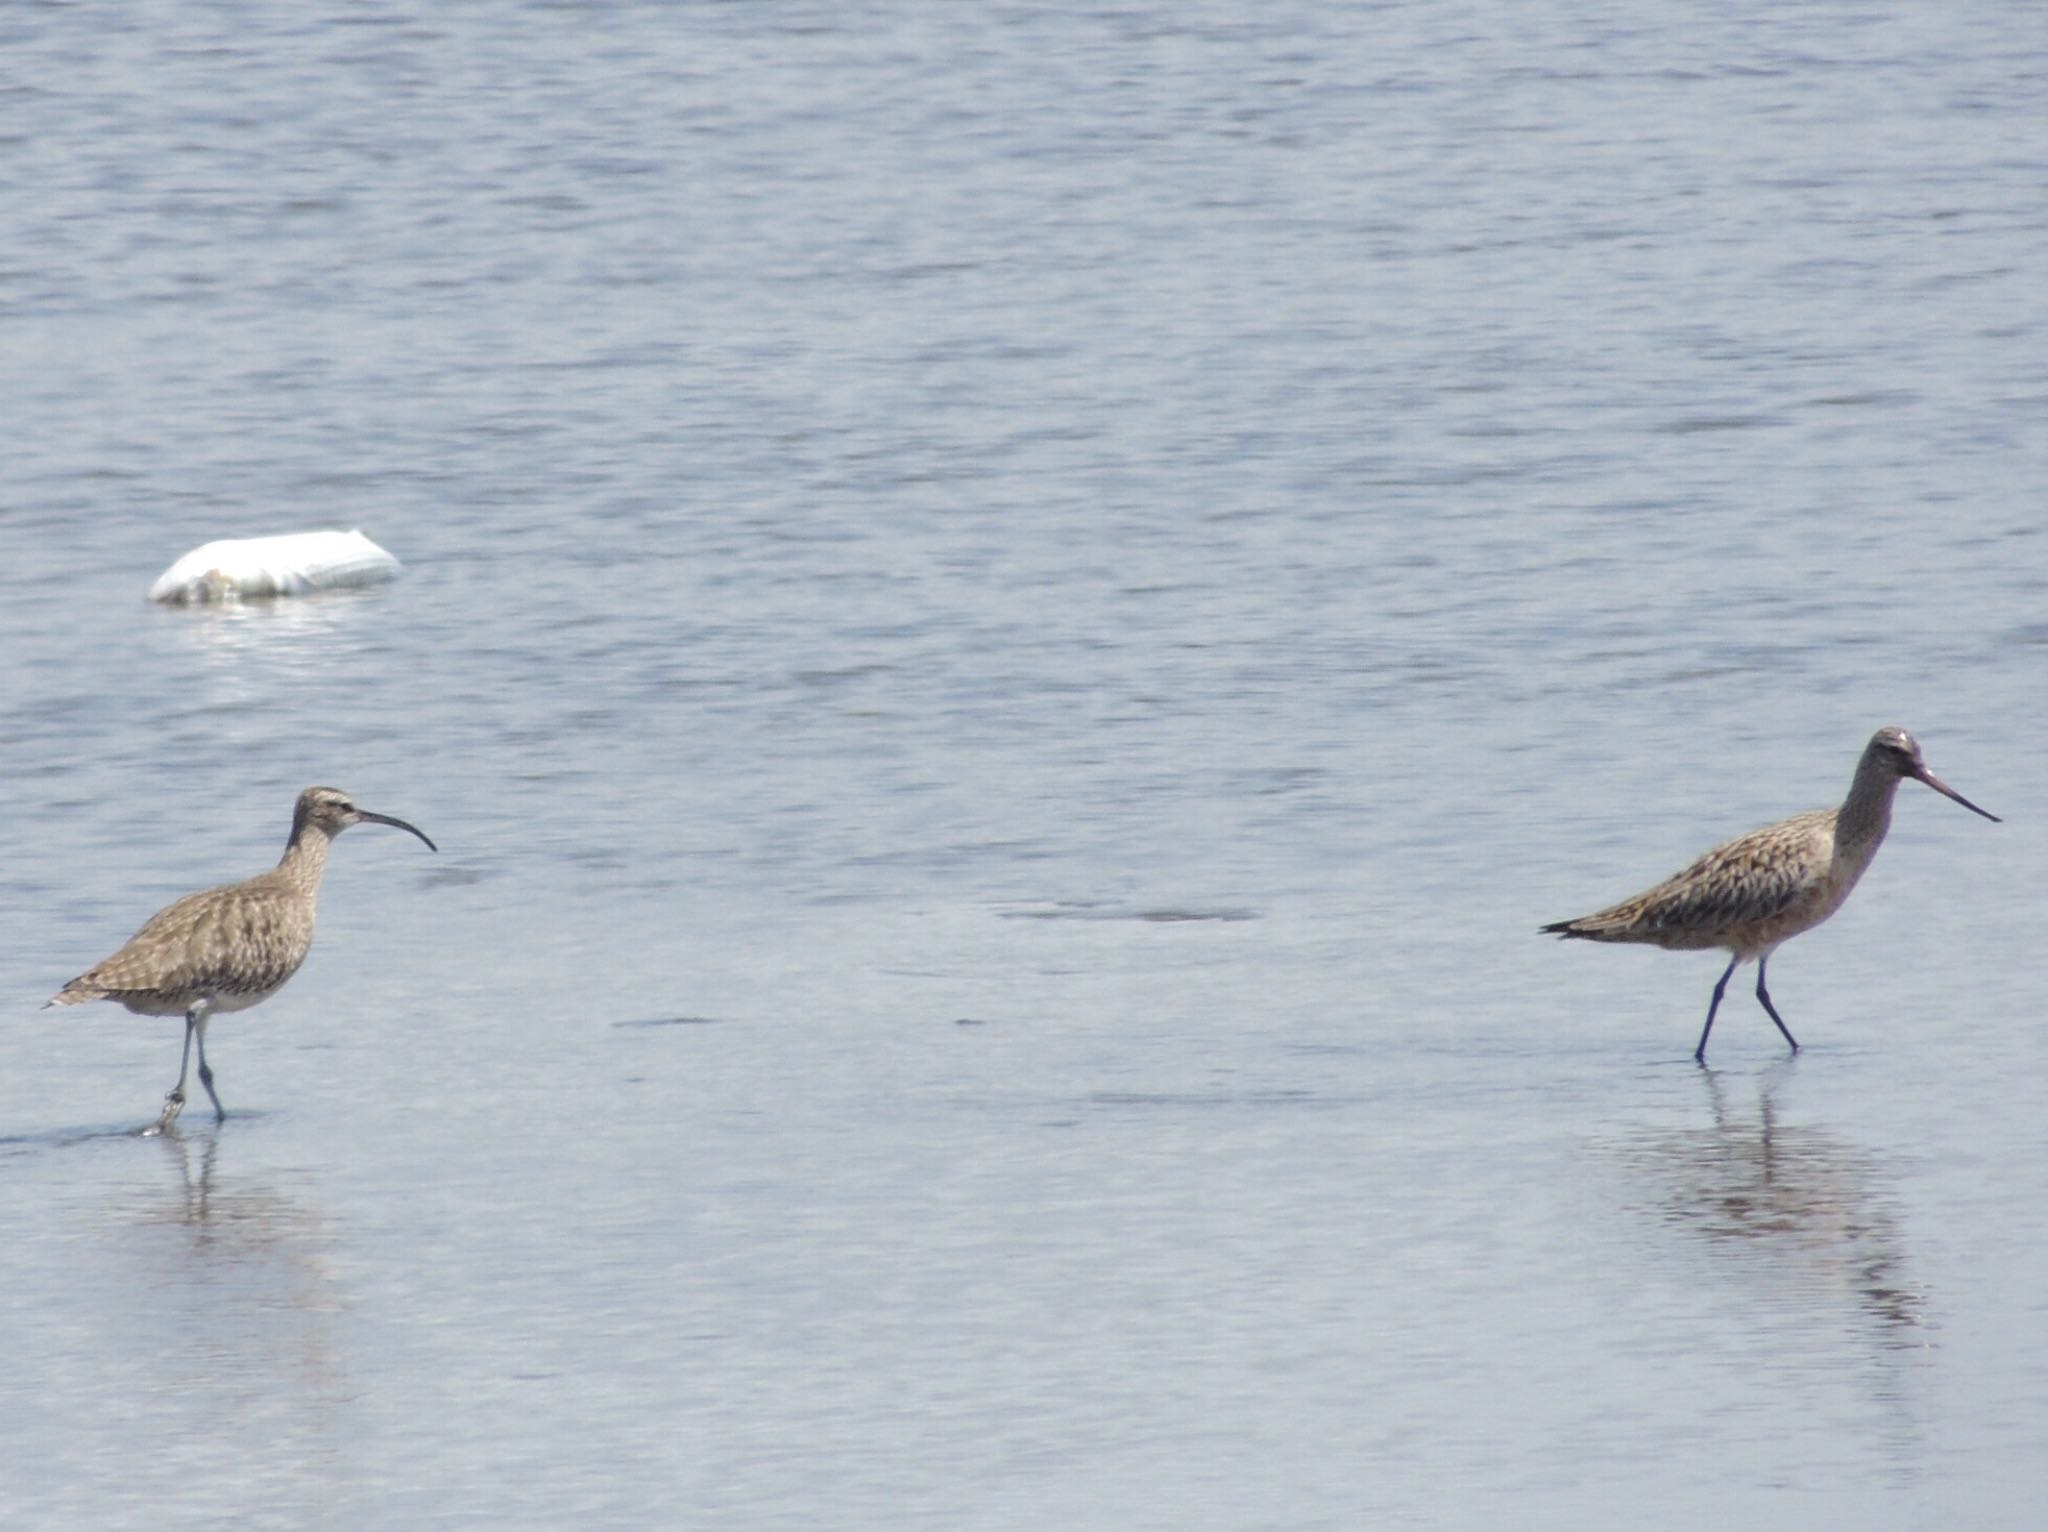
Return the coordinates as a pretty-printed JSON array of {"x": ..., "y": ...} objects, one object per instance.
[{"x": 1587, "y": 928}]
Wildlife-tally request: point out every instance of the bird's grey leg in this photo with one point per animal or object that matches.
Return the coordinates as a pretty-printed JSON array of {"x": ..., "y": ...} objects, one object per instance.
[
  {"x": 202, "y": 1008},
  {"x": 174, "y": 1103},
  {"x": 1765, "y": 996},
  {"x": 1699, "y": 1054}
]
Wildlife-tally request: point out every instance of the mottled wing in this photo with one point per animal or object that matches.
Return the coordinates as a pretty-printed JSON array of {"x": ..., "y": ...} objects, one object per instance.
[
  {"x": 232, "y": 940},
  {"x": 1747, "y": 884}
]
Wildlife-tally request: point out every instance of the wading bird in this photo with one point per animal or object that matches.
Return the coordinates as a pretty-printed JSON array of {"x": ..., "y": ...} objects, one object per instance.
[
  {"x": 1760, "y": 890},
  {"x": 226, "y": 949}
]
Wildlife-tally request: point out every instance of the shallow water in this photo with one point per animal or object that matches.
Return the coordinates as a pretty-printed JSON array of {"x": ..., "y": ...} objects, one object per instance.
[{"x": 1011, "y": 620}]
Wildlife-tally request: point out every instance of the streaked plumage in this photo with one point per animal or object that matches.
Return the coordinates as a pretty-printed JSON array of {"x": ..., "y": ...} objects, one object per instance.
[
  {"x": 1758, "y": 891},
  {"x": 228, "y": 948}
]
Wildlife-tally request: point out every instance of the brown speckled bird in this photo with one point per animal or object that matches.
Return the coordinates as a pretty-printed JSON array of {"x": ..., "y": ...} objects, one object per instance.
[
  {"x": 1762, "y": 889},
  {"x": 226, "y": 949}
]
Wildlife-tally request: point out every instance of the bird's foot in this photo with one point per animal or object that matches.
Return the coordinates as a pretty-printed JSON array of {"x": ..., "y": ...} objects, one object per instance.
[{"x": 174, "y": 1103}]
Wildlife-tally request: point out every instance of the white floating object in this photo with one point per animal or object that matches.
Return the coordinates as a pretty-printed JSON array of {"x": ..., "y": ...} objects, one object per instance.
[{"x": 289, "y": 565}]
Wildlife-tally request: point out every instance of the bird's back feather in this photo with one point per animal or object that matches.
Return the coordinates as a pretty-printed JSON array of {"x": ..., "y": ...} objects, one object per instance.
[
  {"x": 237, "y": 940},
  {"x": 1749, "y": 893}
]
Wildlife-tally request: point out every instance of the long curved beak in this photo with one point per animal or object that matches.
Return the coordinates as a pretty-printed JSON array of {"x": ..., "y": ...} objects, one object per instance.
[
  {"x": 1923, "y": 774},
  {"x": 400, "y": 824}
]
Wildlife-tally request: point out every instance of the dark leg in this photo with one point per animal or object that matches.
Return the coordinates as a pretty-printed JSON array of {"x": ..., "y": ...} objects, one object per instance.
[
  {"x": 174, "y": 1103},
  {"x": 206, "y": 1075},
  {"x": 1765, "y": 996},
  {"x": 1699, "y": 1054}
]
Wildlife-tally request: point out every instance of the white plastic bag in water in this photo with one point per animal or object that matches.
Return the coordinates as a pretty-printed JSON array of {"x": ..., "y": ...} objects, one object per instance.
[{"x": 288, "y": 565}]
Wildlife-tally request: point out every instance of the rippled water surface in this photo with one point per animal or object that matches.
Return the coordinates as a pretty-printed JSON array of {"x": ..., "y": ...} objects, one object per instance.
[{"x": 1012, "y": 618}]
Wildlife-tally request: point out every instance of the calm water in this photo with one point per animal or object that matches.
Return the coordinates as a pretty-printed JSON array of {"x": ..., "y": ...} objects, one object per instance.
[{"x": 1012, "y": 618}]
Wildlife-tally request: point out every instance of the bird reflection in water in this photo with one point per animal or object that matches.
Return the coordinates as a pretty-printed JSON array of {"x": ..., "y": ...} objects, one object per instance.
[
  {"x": 242, "y": 1289},
  {"x": 239, "y": 1221},
  {"x": 1811, "y": 1208}
]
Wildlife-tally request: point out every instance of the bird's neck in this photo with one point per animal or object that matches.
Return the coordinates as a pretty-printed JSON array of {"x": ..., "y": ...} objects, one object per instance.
[
  {"x": 305, "y": 858},
  {"x": 1867, "y": 812}
]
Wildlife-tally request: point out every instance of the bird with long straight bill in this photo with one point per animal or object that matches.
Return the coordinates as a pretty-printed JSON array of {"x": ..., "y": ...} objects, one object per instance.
[{"x": 1755, "y": 893}]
